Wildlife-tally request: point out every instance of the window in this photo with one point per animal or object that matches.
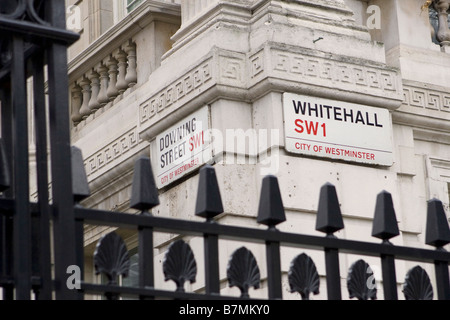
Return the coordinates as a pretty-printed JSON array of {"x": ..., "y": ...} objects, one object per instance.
[{"x": 132, "y": 4}]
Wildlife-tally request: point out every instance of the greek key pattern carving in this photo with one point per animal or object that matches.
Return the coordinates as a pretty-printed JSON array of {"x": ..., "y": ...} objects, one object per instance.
[
  {"x": 426, "y": 98},
  {"x": 112, "y": 152},
  {"x": 257, "y": 64},
  {"x": 315, "y": 69},
  {"x": 184, "y": 89}
]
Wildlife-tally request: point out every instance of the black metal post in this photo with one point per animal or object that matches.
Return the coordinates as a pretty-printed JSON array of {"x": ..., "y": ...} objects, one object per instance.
[
  {"x": 274, "y": 270},
  {"x": 442, "y": 280},
  {"x": 42, "y": 238},
  {"x": 7, "y": 223},
  {"x": 211, "y": 247},
  {"x": 22, "y": 217},
  {"x": 64, "y": 220},
  {"x": 333, "y": 274},
  {"x": 389, "y": 277},
  {"x": 329, "y": 220},
  {"x": 271, "y": 213},
  {"x": 145, "y": 252}
]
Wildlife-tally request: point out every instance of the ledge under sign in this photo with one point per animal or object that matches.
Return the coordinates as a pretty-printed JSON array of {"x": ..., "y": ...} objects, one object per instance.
[{"x": 337, "y": 130}]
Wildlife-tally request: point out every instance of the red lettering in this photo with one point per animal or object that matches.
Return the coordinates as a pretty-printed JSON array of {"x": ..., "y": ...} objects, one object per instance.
[
  {"x": 299, "y": 123},
  {"x": 312, "y": 127},
  {"x": 196, "y": 141}
]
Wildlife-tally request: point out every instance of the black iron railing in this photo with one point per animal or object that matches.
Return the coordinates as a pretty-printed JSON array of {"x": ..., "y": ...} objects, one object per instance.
[
  {"x": 32, "y": 36},
  {"x": 242, "y": 269}
]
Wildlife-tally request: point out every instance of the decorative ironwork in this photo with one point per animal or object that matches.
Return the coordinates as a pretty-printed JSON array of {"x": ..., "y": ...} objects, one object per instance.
[
  {"x": 385, "y": 224},
  {"x": 28, "y": 253},
  {"x": 179, "y": 264},
  {"x": 243, "y": 271},
  {"x": 417, "y": 285},
  {"x": 144, "y": 195},
  {"x": 361, "y": 281},
  {"x": 80, "y": 186},
  {"x": 31, "y": 10},
  {"x": 209, "y": 201},
  {"x": 271, "y": 209},
  {"x": 111, "y": 257},
  {"x": 437, "y": 229},
  {"x": 303, "y": 276},
  {"x": 329, "y": 217}
]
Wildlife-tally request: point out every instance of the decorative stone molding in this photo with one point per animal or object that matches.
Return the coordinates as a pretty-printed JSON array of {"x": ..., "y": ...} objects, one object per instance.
[
  {"x": 183, "y": 89},
  {"x": 112, "y": 153},
  {"x": 339, "y": 72},
  {"x": 272, "y": 68},
  {"x": 419, "y": 96},
  {"x": 426, "y": 107}
]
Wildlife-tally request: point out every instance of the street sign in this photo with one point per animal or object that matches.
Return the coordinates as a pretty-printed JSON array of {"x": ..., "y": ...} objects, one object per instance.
[
  {"x": 182, "y": 148},
  {"x": 337, "y": 130}
]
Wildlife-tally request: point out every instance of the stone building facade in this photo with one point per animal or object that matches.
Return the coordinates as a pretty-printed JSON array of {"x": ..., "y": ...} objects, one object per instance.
[{"x": 376, "y": 75}]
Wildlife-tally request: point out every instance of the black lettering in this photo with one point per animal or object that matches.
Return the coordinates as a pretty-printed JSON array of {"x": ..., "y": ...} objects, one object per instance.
[
  {"x": 337, "y": 114},
  {"x": 313, "y": 109},
  {"x": 376, "y": 122},
  {"x": 163, "y": 162},
  {"x": 359, "y": 118},
  {"x": 367, "y": 120},
  {"x": 299, "y": 107},
  {"x": 347, "y": 115},
  {"x": 328, "y": 110}
]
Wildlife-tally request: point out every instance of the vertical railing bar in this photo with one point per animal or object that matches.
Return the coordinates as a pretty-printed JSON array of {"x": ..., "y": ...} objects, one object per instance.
[
  {"x": 7, "y": 223},
  {"x": 271, "y": 213},
  {"x": 79, "y": 251},
  {"x": 333, "y": 274},
  {"x": 42, "y": 176},
  {"x": 22, "y": 217},
  {"x": 274, "y": 270},
  {"x": 442, "y": 280},
  {"x": 63, "y": 203},
  {"x": 211, "y": 251},
  {"x": 145, "y": 253},
  {"x": 389, "y": 277}
]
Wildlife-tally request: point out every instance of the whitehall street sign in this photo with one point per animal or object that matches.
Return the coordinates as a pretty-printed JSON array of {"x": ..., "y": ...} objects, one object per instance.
[
  {"x": 182, "y": 148},
  {"x": 338, "y": 130}
]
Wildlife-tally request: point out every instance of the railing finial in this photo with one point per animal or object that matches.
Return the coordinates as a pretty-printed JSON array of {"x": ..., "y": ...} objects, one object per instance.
[
  {"x": 437, "y": 229},
  {"x": 385, "y": 224},
  {"x": 329, "y": 217},
  {"x": 144, "y": 194},
  {"x": 209, "y": 201},
  {"x": 80, "y": 184},
  {"x": 271, "y": 209}
]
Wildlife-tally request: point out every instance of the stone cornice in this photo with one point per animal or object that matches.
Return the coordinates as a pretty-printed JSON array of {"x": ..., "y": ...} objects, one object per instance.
[
  {"x": 238, "y": 76},
  {"x": 425, "y": 106}
]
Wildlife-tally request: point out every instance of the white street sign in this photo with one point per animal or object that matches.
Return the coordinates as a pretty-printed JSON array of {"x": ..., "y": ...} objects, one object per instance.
[
  {"x": 338, "y": 130},
  {"x": 182, "y": 148}
]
